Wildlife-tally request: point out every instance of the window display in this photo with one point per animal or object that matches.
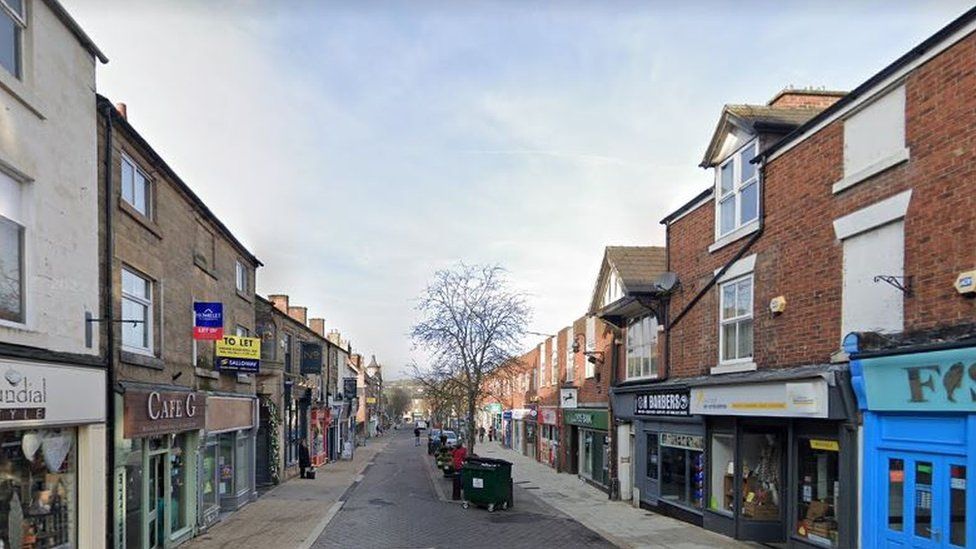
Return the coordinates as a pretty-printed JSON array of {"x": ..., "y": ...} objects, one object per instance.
[
  {"x": 133, "y": 495},
  {"x": 762, "y": 489},
  {"x": 177, "y": 484},
  {"x": 652, "y": 453},
  {"x": 682, "y": 469},
  {"x": 243, "y": 471},
  {"x": 226, "y": 463},
  {"x": 818, "y": 475},
  {"x": 38, "y": 483},
  {"x": 722, "y": 466},
  {"x": 208, "y": 478}
]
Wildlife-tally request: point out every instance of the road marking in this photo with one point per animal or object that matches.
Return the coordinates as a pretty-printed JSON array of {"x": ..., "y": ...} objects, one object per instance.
[
  {"x": 359, "y": 477},
  {"x": 320, "y": 527}
]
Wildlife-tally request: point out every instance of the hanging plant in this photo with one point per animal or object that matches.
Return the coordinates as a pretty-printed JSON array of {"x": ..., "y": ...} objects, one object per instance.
[{"x": 274, "y": 443}]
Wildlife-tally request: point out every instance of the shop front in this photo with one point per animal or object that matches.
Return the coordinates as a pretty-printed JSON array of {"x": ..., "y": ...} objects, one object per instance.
[
  {"x": 531, "y": 425},
  {"x": 318, "y": 447},
  {"x": 227, "y": 473},
  {"x": 156, "y": 464},
  {"x": 919, "y": 410},
  {"x": 668, "y": 449},
  {"x": 589, "y": 427},
  {"x": 780, "y": 456},
  {"x": 520, "y": 421},
  {"x": 507, "y": 428},
  {"x": 549, "y": 436},
  {"x": 53, "y": 444}
]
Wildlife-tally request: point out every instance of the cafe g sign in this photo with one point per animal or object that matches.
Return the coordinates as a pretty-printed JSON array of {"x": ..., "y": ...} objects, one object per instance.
[
  {"x": 937, "y": 381},
  {"x": 148, "y": 412}
]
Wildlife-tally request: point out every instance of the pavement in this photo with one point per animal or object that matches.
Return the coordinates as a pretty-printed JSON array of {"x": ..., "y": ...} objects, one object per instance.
[
  {"x": 619, "y": 522},
  {"x": 294, "y": 513}
]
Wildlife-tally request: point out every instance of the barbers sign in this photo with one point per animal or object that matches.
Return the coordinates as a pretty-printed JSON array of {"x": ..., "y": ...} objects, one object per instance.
[{"x": 663, "y": 403}]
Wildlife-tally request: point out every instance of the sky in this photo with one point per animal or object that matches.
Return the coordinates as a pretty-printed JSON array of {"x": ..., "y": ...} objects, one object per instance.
[{"x": 357, "y": 147}]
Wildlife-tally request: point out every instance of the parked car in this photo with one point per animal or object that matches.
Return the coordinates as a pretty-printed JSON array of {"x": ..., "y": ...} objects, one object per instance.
[
  {"x": 433, "y": 438},
  {"x": 452, "y": 438}
]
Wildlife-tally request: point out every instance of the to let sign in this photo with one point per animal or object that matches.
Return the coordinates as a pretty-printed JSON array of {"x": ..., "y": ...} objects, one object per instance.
[
  {"x": 239, "y": 354},
  {"x": 208, "y": 320},
  {"x": 311, "y": 358}
]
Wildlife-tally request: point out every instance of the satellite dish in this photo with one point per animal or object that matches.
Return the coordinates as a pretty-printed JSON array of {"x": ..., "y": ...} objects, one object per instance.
[{"x": 667, "y": 281}]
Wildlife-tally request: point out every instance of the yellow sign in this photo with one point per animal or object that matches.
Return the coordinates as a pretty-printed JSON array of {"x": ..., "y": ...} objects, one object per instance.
[
  {"x": 239, "y": 347},
  {"x": 829, "y": 445},
  {"x": 370, "y": 400}
]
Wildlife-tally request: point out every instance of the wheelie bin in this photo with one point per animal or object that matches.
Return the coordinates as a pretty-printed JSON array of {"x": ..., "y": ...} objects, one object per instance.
[{"x": 487, "y": 482}]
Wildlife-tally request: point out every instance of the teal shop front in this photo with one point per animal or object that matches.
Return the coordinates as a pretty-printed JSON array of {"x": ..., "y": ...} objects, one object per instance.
[
  {"x": 591, "y": 438},
  {"x": 919, "y": 410}
]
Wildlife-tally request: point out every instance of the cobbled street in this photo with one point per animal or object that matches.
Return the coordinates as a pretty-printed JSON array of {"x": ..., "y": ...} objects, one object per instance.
[{"x": 396, "y": 505}]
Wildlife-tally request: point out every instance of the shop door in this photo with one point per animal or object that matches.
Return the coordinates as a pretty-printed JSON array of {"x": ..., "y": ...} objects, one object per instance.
[
  {"x": 156, "y": 506},
  {"x": 262, "y": 454},
  {"x": 924, "y": 500}
]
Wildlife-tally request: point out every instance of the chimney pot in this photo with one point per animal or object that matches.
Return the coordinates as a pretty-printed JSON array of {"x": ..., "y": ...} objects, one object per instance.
[
  {"x": 317, "y": 325},
  {"x": 280, "y": 302},
  {"x": 123, "y": 110},
  {"x": 298, "y": 313}
]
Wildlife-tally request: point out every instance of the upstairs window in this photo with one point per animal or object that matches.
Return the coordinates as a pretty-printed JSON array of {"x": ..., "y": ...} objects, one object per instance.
[
  {"x": 553, "y": 361},
  {"x": 738, "y": 190},
  {"x": 135, "y": 186},
  {"x": 590, "y": 346},
  {"x": 542, "y": 363},
  {"x": 642, "y": 348},
  {"x": 874, "y": 137},
  {"x": 570, "y": 359},
  {"x": 13, "y": 22},
  {"x": 11, "y": 251},
  {"x": 137, "y": 311},
  {"x": 241, "y": 277},
  {"x": 735, "y": 330}
]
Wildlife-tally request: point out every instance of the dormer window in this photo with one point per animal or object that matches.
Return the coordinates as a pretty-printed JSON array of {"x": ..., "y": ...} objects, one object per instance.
[{"x": 737, "y": 190}]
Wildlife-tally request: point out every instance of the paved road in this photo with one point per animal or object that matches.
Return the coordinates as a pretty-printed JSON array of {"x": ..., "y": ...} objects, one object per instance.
[{"x": 396, "y": 506}]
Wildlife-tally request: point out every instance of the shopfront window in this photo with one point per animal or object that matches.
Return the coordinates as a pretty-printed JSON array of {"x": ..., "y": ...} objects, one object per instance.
[
  {"x": 818, "y": 475},
  {"x": 226, "y": 464},
  {"x": 652, "y": 456},
  {"x": 38, "y": 488},
  {"x": 896, "y": 494},
  {"x": 588, "y": 452},
  {"x": 133, "y": 496},
  {"x": 209, "y": 476},
  {"x": 682, "y": 469},
  {"x": 722, "y": 475},
  {"x": 762, "y": 486},
  {"x": 243, "y": 472},
  {"x": 923, "y": 499},
  {"x": 178, "y": 497},
  {"x": 957, "y": 505}
]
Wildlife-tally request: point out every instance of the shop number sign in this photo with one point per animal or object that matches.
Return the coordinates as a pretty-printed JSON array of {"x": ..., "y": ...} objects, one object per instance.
[{"x": 669, "y": 403}]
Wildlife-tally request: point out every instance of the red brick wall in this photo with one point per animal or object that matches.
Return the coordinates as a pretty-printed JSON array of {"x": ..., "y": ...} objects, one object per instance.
[
  {"x": 798, "y": 98},
  {"x": 799, "y": 256}
]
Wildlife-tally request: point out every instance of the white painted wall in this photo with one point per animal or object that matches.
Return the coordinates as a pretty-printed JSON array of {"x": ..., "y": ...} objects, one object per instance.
[
  {"x": 48, "y": 144},
  {"x": 869, "y": 305}
]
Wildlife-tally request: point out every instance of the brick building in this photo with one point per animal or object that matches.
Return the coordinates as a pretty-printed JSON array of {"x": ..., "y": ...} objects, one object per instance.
[
  {"x": 842, "y": 217},
  {"x": 184, "y": 427}
]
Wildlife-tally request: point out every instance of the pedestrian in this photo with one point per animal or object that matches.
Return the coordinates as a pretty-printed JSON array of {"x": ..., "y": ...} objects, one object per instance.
[
  {"x": 458, "y": 455},
  {"x": 481, "y": 433},
  {"x": 491, "y": 434},
  {"x": 416, "y": 436},
  {"x": 304, "y": 461}
]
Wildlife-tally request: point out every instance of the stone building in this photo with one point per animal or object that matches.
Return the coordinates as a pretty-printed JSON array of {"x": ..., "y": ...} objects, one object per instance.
[{"x": 182, "y": 454}]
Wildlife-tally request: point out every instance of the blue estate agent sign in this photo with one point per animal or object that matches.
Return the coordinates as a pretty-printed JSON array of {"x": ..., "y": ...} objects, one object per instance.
[
  {"x": 208, "y": 320},
  {"x": 937, "y": 381},
  {"x": 242, "y": 365}
]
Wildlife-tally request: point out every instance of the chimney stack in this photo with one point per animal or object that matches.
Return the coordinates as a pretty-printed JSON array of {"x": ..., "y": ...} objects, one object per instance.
[
  {"x": 809, "y": 98},
  {"x": 317, "y": 325},
  {"x": 122, "y": 110},
  {"x": 280, "y": 302},
  {"x": 299, "y": 313}
]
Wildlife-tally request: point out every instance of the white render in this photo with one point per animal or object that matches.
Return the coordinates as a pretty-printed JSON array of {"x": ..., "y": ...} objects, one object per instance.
[{"x": 48, "y": 146}]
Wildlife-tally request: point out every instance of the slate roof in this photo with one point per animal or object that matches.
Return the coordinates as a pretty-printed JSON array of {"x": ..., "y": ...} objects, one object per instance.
[
  {"x": 758, "y": 116},
  {"x": 638, "y": 267}
]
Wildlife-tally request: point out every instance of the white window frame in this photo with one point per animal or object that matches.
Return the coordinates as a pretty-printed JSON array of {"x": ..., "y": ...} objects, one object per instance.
[
  {"x": 136, "y": 170},
  {"x": 241, "y": 276},
  {"x": 735, "y": 193},
  {"x": 590, "y": 367},
  {"x": 13, "y": 211},
  {"x": 635, "y": 341},
  {"x": 148, "y": 304},
  {"x": 738, "y": 361},
  {"x": 20, "y": 21},
  {"x": 241, "y": 331}
]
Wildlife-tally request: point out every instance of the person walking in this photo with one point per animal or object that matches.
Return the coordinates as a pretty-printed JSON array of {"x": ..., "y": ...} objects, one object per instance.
[
  {"x": 304, "y": 461},
  {"x": 481, "y": 433},
  {"x": 416, "y": 436},
  {"x": 491, "y": 434}
]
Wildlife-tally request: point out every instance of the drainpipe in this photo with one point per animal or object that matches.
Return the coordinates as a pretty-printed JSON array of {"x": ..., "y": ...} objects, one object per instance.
[
  {"x": 108, "y": 315},
  {"x": 614, "y": 478}
]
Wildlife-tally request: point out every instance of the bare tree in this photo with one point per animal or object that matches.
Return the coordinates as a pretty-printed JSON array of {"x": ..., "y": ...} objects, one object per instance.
[
  {"x": 397, "y": 402},
  {"x": 471, "y": 323}
]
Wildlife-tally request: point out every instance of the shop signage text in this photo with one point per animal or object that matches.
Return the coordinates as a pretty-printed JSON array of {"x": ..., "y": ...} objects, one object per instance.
[
  {"x": 789, "y": 399},
  {"x": 349, "y": 388},
  {"x": 147, "y": 412},
  {"x": 208, "y": 320},
  {"x": 239, "y": 354},
  {"x": 311, "y": 358},
  {"x": 670, "y": 403},
  {"x": 595, "y": 419},
  {"x": 34, "y": 394},
  {"x": 688, "y": 442},
  {"x": 937, "y": 381}
]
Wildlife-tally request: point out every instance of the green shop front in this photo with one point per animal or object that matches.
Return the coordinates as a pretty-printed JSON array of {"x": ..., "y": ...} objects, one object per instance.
[
  {"x": 588, "y": 433},
  {"x": 156, "y": 439}
]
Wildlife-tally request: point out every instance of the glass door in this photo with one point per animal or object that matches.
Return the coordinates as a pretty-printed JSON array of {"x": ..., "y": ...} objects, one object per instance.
[
  {"x": 924, "y": 503},
  {"x": 155, "y": 506}
]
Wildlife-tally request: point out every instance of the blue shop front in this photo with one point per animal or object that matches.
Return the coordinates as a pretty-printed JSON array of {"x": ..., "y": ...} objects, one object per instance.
[{"x": 918, "y": 403}]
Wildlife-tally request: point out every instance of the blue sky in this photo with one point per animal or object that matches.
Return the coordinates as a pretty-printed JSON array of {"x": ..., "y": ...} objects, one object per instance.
[{"x": 357, "y": 147}]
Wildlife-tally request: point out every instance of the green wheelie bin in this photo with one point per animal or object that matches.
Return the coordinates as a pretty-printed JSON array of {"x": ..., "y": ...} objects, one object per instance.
[{"x": 487, "y": 482}]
